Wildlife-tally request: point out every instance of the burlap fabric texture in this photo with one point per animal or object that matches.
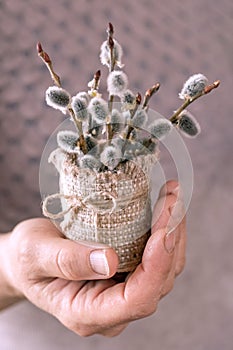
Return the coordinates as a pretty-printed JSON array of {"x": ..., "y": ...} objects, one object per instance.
[{"x": 110, "y": 207}]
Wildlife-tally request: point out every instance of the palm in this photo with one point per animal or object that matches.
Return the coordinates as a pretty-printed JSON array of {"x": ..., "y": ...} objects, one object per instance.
[
  {"x": 98, "y": 302},
  {"x": 103, "y": 304}
]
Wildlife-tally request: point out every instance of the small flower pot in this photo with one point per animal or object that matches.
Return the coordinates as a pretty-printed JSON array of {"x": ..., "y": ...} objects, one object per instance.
[{"x": 110, "y": 207}]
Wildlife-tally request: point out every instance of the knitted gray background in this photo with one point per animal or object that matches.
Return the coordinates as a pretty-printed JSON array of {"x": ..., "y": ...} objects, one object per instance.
[{"x": 163, "y": 41}]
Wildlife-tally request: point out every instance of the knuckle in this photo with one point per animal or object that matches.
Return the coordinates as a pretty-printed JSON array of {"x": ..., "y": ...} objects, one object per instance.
[
  {"x": 180, "y": 266},
  {"x": 167, "y": 288},
  {"x": 145, "y": 310},
  {"x": 24, "y": 257},
  {"x": 170, "y": 286},
  {"x": 84, "y": 331},
  {"x": 103, "y": 329},
  {"x": 22, "y": 239},
  {"x": 167, "y": 270},
  {"x": 25, "y": 251},
  {"x": 66, "y": 264},
  {"x": 150, "y": 309},
  {"x": 113, "y": 331},
  {"x": 23, "y": 254}
]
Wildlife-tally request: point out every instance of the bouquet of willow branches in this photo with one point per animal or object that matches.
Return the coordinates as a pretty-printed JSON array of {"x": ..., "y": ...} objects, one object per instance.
[{"x": 104, "y": 165}]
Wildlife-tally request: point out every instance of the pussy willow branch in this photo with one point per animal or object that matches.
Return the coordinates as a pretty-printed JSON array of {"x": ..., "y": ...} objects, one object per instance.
[
  {"x": 56, "y": 79},
  {"x": 46, "y": 59},
  {"x": 130, "y": 127},
  {"x": 149, "y": 93},
  {"x": 190, "y": 100},
  {"x": 78, "y": 124},
  {"x": 110, "y": 32},
  {"x": 97, "y": 80},
  {"x": 127, "y": 135},
  {"x": 138, "y": 102}
]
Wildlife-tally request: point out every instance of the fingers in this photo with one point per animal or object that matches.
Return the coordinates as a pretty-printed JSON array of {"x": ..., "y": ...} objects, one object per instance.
[
  {"x": 169, "y": 208},
  {"x": 164, "y": 255},
  {"x": 106, "y": 331},
  {"x": 113, "y": 331},
  {"x": 176, "y": 222},
  {"x": 47, "y": 254},
  {"x": 179, "y": 258},
  {"x": 144, "y": 286},
  {"x": 138, "y": 297},
  {"x": 170, "y": 187},
  {"x": 181, "y": 249}
]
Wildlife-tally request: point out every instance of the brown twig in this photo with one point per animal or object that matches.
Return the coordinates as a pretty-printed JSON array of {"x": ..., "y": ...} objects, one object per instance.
[
  {"x": 149, "y": 93},
  {"x": 79, "y": 127},
  {"x": 175, "y": 117},
  {"x": 46, "y": 59},
  {"x": 110, "y": 32},
  {"x": 112, "y": 58},
  {"x": 129, "y": 128},
  {"x": 110, "y": 29},
  {"x": 97, "y": 80},
  {"x": 138, "y": 102},
  {"x": 56, "y": 79}
]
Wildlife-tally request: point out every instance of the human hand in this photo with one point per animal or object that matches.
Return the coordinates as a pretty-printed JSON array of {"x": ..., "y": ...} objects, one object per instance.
[{"x": 72, "y": 281}]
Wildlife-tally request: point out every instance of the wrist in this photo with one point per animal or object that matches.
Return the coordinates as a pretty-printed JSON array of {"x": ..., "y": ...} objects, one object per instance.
[{"x": 8, "y": 293}]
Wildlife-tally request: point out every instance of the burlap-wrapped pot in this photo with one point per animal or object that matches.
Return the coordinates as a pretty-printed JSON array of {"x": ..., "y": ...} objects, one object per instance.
[{"x": 110, "y": 207}]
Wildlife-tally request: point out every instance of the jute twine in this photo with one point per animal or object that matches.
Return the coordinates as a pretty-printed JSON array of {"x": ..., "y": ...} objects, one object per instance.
[{"x": 108, "y": 207}]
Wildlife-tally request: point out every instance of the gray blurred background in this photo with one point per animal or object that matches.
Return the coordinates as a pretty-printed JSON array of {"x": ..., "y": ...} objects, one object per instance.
[{"x": 164, "y": 41}]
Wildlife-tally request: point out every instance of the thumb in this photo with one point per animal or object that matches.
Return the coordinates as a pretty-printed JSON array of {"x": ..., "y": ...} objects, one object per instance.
[
  {"x": 78, "y": 260},
  {"x": 56, "y": 256}
]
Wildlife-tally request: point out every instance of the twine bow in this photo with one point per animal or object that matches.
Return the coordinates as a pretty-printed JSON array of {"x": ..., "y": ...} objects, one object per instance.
[{"x": 75, "y": 202}]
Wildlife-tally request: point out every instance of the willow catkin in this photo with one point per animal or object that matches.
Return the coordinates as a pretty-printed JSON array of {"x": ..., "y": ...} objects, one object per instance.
[
  {"x": 67, "y": 140},
  {"x": 188, "y": 125},
  {"x": 57, "y": 98},
  {"x": 193, "y": 86},
  {"x": 160, "y": 128}
]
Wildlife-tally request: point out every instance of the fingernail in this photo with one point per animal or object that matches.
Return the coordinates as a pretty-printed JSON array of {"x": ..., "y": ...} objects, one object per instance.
[
  {"x": 170, "y": 242},
  {"x": 99, "y": 262},
  {"x": 176, "y": 190},
  {"x": 91, "y": 244},
  {"x": 177, "y": 214}
]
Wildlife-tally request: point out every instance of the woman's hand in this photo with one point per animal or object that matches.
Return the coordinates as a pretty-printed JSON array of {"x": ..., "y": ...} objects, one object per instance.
[{"x": 72, "y": 281}]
